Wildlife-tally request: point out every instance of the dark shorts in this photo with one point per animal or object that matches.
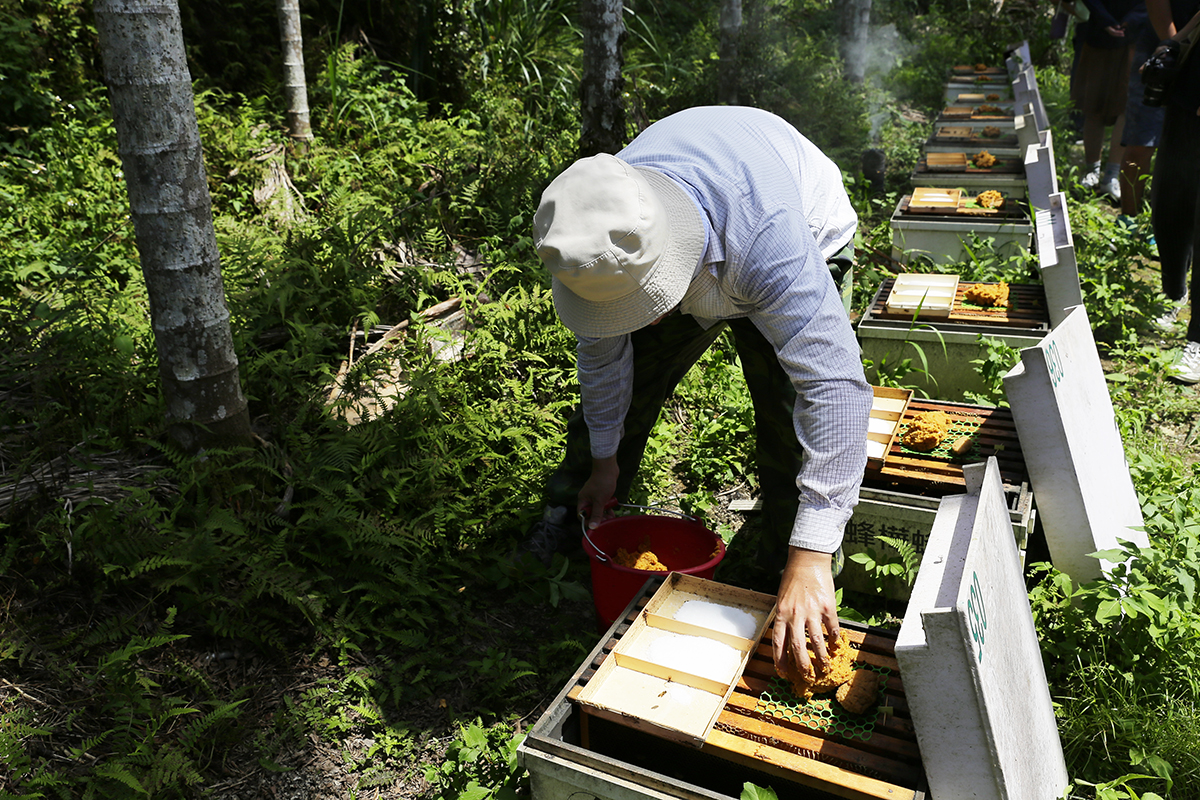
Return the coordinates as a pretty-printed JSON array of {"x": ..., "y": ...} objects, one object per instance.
[{"x": 1143, "y": 123}]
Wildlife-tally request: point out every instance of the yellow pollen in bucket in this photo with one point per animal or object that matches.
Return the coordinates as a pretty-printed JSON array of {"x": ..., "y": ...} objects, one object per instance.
[{"x": 643, "y": 559}]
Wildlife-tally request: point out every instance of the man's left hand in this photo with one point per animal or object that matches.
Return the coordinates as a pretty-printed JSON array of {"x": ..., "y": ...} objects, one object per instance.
[{"x": 807, "y": 610}]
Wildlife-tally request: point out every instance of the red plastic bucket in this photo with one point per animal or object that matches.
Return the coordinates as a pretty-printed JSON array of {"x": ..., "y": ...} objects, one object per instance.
[{"x": 681, "y": 544}]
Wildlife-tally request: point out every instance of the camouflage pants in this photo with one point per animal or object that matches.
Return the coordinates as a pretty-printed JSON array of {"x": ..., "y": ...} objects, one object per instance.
[{"x": 662, "y": 355}]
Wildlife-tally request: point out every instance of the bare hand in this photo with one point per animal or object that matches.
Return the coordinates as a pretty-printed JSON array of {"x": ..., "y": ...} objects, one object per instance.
[
  {"x": 599, "y": 491},
  {"x": 806, "y": 603}
]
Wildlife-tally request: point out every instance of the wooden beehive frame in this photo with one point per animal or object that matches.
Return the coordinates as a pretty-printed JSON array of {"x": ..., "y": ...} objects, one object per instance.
[
  {"x": 995, "y": 435},
  {"x": 887, "y": 410},
  {"x": 927, "y": 296},
  {"x": 635, "y": 691},
  {"x": 927, "y": 198},
  {"x": 1026, "y": 308},
  {"x": 952, "y": 162}
]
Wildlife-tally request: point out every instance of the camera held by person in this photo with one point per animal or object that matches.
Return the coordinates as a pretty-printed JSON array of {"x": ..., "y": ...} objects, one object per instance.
[{"x": 1160, "y": 70}]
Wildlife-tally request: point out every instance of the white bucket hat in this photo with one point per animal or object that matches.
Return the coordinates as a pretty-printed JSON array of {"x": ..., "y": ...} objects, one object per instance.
[{"x": 621, "y": 243}]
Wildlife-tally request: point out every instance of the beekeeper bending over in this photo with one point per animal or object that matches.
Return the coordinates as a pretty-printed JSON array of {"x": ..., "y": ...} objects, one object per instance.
[{"x": 714, "y": 218}]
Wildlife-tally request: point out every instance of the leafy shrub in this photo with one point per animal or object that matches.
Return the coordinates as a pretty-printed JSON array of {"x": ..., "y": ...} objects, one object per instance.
[
  {"x": 480, "y": 763},
  {"x": 46, "y": 49},
  {"x": 1119, "y": 651}
]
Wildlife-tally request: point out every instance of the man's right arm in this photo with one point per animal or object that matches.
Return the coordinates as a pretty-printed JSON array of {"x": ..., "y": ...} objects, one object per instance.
[{"x": 605, "y": 371}]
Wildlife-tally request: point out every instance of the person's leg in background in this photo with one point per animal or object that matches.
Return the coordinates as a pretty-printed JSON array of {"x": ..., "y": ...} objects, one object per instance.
[
  {"x": 1143, "y": 127},
  {"x": 1175, "y": 211},
  {"x": 1101, "y": 93},
  {"x": 1093, "y": 149},
  {"x": 1135, "y": 172},
  {"x": 1110, "y": 179}
]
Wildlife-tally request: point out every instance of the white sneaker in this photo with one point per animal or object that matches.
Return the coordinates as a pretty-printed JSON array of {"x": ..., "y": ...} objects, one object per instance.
[
  {"x": 1165, "y": 323},
  {"x": 1092, "y": 179},
  {"x": 1111, "y": 187},
  {"x": 1187, "y": 368}
]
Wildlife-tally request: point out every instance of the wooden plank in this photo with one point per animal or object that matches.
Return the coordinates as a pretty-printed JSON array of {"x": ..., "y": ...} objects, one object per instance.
[
  {"x": 789, "y": 766},
  {"x": 896, "y": 766},
  {"x": 895, "y": 743}
]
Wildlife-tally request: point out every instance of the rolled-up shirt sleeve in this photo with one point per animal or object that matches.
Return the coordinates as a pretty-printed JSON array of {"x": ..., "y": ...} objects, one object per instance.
[
  {"x": 797, "y": 309},
  {"x": 605, "y": 372}
]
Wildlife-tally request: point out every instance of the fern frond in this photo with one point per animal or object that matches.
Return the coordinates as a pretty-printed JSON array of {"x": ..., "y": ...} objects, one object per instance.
[{"x": 908, "y": 554}]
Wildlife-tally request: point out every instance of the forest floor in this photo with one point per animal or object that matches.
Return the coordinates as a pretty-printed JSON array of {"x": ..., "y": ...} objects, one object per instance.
[{"x": 315, "y": 767}]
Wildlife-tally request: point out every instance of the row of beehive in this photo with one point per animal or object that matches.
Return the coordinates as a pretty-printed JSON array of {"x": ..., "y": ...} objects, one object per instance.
[
  {"x": 978, "y": 145},
  {"x": 900, "y": 496}
]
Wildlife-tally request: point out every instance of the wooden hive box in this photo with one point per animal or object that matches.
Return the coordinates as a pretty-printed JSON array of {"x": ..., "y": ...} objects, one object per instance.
[{"x": 571, "y": 750}]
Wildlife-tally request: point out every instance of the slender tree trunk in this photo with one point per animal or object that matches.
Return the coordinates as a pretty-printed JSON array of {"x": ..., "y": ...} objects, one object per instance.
[
  {"x": 295, "y": 90},
  {"x": 854, "y": 18},
  {"x": 141, "y": 42},
  {"x": 601, "y": 105},
  {"x": 728, "y": 76}
]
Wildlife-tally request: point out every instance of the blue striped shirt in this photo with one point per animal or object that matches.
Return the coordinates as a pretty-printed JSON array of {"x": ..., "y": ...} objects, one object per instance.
[{"x": 775, "y": 209}]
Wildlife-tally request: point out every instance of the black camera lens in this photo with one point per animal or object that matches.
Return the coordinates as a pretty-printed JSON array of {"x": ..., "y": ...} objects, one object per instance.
[{"x": 1154, "y": 96}]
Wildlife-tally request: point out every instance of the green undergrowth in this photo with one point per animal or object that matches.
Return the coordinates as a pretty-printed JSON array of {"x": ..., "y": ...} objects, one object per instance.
[{"x": 170, "y": 625}]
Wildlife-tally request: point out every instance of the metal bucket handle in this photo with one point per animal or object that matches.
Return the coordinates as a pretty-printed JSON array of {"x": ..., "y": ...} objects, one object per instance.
[{"x": 603, "y": 557}]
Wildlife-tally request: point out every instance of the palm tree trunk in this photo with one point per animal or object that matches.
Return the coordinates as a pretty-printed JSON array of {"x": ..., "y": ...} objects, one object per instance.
[
  {"x": 728, "y": 74},
  {"x": 295, "y": 89},
  {"x": 854, "y": 19},
  {"x": 141, "y": 42},
  {"x": 602, "y": 109}
]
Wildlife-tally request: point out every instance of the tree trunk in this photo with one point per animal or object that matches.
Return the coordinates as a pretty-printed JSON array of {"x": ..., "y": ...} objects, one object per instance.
[
  {"x": 854, "y": 19},
  {"x": 141, "y": 43},
  {"x": 728, "y": 75},
  {"x": 602, "y": 109},
  {"x": 295, "y": 90}
]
